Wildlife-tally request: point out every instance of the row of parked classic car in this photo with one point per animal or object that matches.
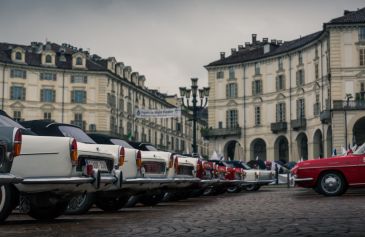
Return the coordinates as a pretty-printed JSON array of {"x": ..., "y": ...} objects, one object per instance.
[{"x": 49, "y": 168}]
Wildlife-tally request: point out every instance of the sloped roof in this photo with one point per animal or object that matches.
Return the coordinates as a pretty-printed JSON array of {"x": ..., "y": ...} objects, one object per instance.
[{"x": 350, "y": 17}]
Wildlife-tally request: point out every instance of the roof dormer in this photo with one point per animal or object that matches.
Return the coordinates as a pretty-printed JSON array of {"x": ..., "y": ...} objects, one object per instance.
[
  {"x": 79, "y": 60},
  {"x": 127, "y": 73},
  {"x": 18, "y": 55},
  {"x": 119, "y": 69},
  {"x": 141, "y": 81},
  {"x": 111, "y": 64},
  {"x": 48, "y": 58},
  {"x": 134, "y": 78}
]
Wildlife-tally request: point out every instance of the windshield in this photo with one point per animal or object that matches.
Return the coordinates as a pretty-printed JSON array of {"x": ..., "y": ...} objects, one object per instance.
[
  {"x": 120, "y": 143},
  {"x": 7, "y": 122},
  {"x": 150, "y": 148},
  {"x": 360, "y": 150},
  {"x": 229, "y": 165},
  {"x": 245, "y": 166},
  {"x": 77, "y": 133}
]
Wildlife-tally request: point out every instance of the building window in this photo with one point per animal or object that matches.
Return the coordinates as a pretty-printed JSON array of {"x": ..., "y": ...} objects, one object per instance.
[
  {"x": 17, "y": 73},
  {"x": 121, "y": 105},
  {"x": 92, "y": 127},
  {"x": 79, "y": 61},
  {"x": 257, "y": 87},
  {"x": 316, "y": 71},
  {"x": 78, "y": 79},
  {"x": 48, "y": 95},
  {"x": 257, "y": 115},
  {"x": 220, "y": 75},
  {"x": 231, "y": 90},
  {"x": 300, "y": 58},
  {"x": 316, "y": 52},
  {"x": 129, "y": 108},
  {"x": 257, "y": 68},
  {"x": 78, "y": 96},
  {"x": 17, "y": 116},
  {"x": 362, "y": 34},
  {"x": 220, "y": 124},
  {"x": 232, "y": 118},
  {"x": 362, "y": 57},
  {"x": 300, "y": 108},
  {"x": 113, "y": 125},
  {"x": 316, "y": 107},
  {"x": 78, "y": 121},
  {"x": 280, "y": 112},
  {"x": 231, "y": 73},
  {"x": 300, "y": 77},
  {"x": 280, "y": 63},
  {"x": 17, "y": 93},
  {"x": 47, "y": 115},
  {"x": 48, "y": 76},
  {"x": 48, "y": 59},
  {"x": 18, "y": 56},
  {"x": 280, "y": 83},
  {"x": 111, "y": 100}
]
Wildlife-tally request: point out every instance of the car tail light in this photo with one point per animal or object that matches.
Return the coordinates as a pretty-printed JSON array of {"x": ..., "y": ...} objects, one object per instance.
[
  {"x": 17, "y": 143},
  {"x": 199, "y": 169},
  {"x": 139, "y": 160},
  {"x": 73, "y": 152},
  {"x": 89, "y": 170},
  {"x": 121, "y": 156},
  {"x": 176, "y": 165},
  {"x": 171, "y": 161}
]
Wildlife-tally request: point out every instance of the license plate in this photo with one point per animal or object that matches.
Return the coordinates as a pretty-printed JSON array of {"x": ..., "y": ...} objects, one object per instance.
[{"x": 98, "y": 164}]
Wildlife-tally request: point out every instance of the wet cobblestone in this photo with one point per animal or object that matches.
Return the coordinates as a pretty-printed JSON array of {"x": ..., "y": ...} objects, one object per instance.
[{"x": 271, "y": 211}]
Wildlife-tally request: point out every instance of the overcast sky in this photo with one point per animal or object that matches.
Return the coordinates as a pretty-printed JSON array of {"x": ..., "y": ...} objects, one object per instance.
[{"x": 168, "y": 41}]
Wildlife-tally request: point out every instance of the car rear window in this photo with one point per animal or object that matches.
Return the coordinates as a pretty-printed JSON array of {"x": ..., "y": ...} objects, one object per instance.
[
  {"x": 77, "y": 133},
  {"x": 120, "y": 142}
]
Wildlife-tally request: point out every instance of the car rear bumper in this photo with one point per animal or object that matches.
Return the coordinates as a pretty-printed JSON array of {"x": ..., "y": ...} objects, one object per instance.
[
  {"x": 9, "y": 178},
  {"x": 260, "y": 182}
]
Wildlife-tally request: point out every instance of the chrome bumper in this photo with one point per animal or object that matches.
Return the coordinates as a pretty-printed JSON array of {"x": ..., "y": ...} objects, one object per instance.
[
  {"x": 294, "y": 180},
  {"x": 9, "y": 178},
  {"x": 260, "y": 182},
  {"x": 147, "y": 180}
]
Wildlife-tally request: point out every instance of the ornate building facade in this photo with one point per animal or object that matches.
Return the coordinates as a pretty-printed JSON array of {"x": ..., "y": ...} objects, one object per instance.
[
  {"x": 67, "y": 84},
  {"x": 291, "y": 100}
]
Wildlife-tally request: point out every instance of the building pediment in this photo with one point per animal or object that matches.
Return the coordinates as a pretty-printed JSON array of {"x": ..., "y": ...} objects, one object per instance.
[
  {"x": 232, "y": 103},
  {"x": 280, "y": 96},
  {"x": 78, "y": 109},
  {"x": 47, "y": 107},
  {"x": 17, "y": 105},
  {"x": 361, "y": 74},
  {"x": 300, "y": 91},
  {"x": 258, "y": 100}
]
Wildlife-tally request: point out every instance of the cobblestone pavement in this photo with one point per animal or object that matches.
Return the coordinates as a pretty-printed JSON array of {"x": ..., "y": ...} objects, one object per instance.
[{"x": 272, "y": 211}]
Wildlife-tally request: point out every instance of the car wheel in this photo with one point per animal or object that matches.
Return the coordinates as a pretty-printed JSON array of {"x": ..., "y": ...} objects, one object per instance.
[
  {"x": 110, "y": 204},
  {"x": 233, "y": 189},
  {"x": 257, "y": 187},
  {"x": 80, "y": 204},
  {"x": 152, "y": 200},
  {"x": 46, "y": 212},
  {"x": 208, "y": 191},
  {"x": 331, "y": 184},
  {"x": 251, "y": 187},
  {"x": 8, "y": 196}
]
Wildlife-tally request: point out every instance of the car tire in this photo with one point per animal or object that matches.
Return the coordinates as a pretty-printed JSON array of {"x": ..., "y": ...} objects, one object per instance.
[
  {"x": 257, "y": 187},
  {"x": 8, "y": 197},
  {"x": 110, "y": 204},
  {"x": 251, "y": 187},
  {"x": 80, "y": 204},
  {"x": 47, "y": 212},
  {"x": 152, "y": 199},
  {"x": 233, "y": 189},
  {"x": 331, "y": 184}
]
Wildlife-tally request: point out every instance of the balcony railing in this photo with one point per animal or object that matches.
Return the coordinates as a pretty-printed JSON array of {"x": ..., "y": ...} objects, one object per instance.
[
  {"x": 349, "y": 105},
  {"x": 298, "y": 124},
  {"x": 279, "y": 127},
  {"x": 221, "y": 132},
  {"x": 325, "y": 116}
]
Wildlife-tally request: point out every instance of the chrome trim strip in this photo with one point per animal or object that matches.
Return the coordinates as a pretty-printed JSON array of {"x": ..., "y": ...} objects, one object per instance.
[
  {"x": 9, "y": 178},
  {"x": 39, "y": 153},
  {"x": 302, "y": 179},
  {"x": 58, "y": 180},
  {"x": 325, "y": 167},
  {"x": 356, "y": 184}
]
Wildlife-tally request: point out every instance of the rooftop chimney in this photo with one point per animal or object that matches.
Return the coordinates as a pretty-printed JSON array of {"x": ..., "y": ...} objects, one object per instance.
[
  {"x": 265, "y": 40},
  {"x": 273, "y": 41},
  {"x": 254, "y": 38},
  {"x": 346, "y": 12},
  {"x": 280, "y": 42},
  {"x": 247, "y": 44},
  {"x": 223, "y": 55},
  {"x": 240, "y": 47},
  {"x": 233, "y": 50}
]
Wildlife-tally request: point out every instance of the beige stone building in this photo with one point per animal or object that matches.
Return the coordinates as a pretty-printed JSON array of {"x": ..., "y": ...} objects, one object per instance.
[
  {"x": 67, "y": 84},
  {"x": 294, "y": 99}
]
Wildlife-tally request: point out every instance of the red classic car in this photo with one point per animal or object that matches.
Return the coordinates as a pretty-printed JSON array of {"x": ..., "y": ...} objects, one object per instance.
[{"x": 331, "y": 176}]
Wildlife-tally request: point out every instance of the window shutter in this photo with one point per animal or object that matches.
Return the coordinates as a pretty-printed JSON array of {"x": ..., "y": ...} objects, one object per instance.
[
  {"x": 298, "y": 109},
  {"x": 54, "y": 76},
  {"x": 41, "y": 76},
  {"x": 253, "y": 88},
  {"x": 12, "y": 92},
  {"x": 84, "y": 97},
  {"x": 53, "y": 95},
  {"x": 11, "y": 73},
  {"x": 277, "y": 113},
  {"x": 85, "y": 79},
  {"x": 23, "y": 93},
  {"x": 297, "y": 78},
  {"x": 260, "y": 86},
  {"x": 227, "y": 119},
  {"x": 277, "y": 83},
  {"x": 227, "y": 91},
  {"x": 303, "y": 78},
  {"x": 283, "y": 82},
  {"x": 42, "y": 93},
  {"x": 72, "y": 79},
  {"x": 283, "y": 116},
  {"x": 235, "y": 90},
  {"x": 24, "y": 74},
  {"x": 72, "y": 96}
]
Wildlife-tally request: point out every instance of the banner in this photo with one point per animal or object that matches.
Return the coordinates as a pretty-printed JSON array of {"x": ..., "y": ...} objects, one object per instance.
[{"x": 158, "y": 113}]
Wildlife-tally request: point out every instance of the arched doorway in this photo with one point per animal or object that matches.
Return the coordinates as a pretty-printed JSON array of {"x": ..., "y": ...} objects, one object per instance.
[
  {"x": 229, "y": 150},
  {"x": 258, "y": 149},
  {"x": 317, "y": 144},
  {"x": 329, "y": 141},
  {"x": 302, "y": 146},
  {"x": 282, "y": 149},
  {"x": 358, "y": 132}
]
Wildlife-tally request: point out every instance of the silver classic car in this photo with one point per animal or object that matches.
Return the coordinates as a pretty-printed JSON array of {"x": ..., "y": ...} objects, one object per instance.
[{"x": 10, "y": 147}]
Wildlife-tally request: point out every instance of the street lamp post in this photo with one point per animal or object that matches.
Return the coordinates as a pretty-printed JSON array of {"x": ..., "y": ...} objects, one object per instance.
[
  {"x": 185, "y": 96},
  {"x": 348, "y": 97}
]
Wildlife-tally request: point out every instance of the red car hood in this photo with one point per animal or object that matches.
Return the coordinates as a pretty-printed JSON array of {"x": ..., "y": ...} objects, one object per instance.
[{"x": 338, "y": 160}]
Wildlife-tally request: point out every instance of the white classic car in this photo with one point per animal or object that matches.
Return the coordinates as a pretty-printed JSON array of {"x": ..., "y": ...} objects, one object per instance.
[
  {"x": 10, "y": 147},
  {"x": 255, "y": 178},
  {"x": 53, "y": 170}
]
